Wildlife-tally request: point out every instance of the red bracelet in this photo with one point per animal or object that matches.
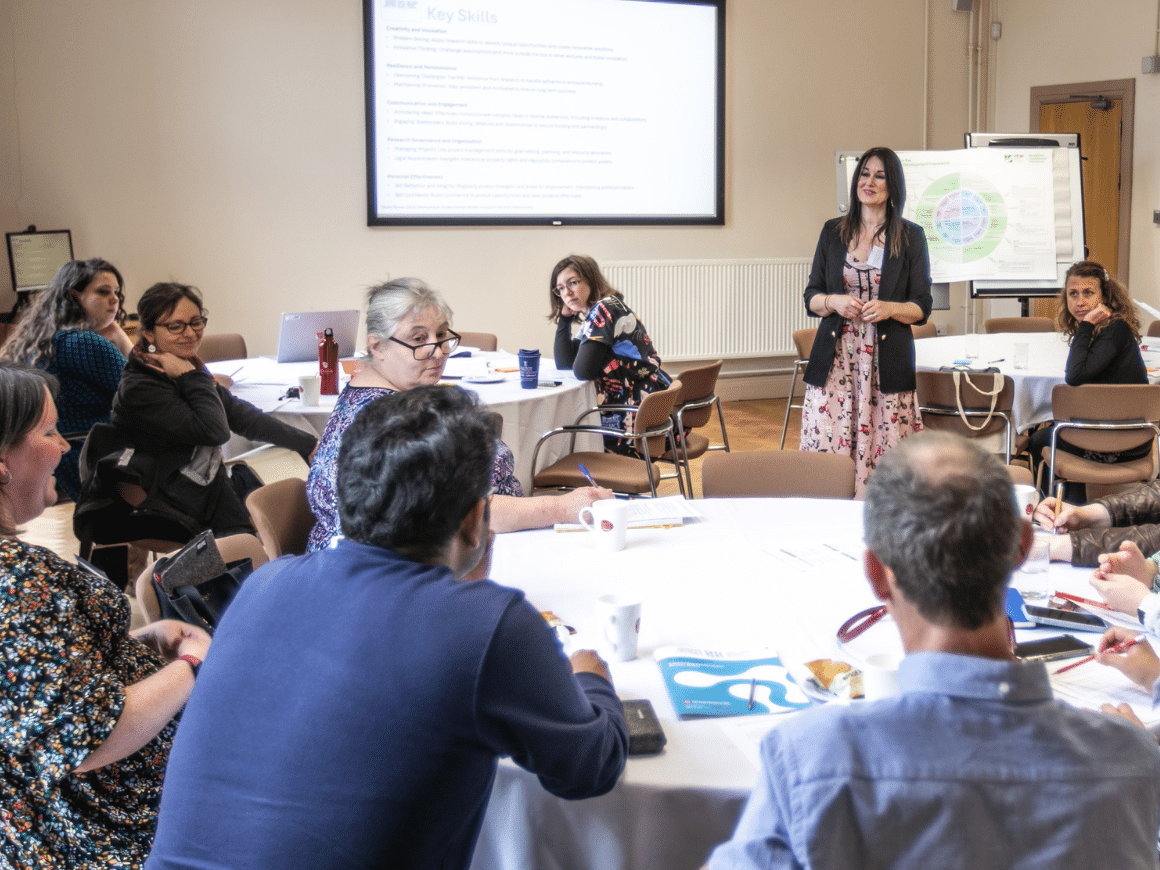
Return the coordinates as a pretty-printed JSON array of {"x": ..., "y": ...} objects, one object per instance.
[{"x": 194, "y": 662}]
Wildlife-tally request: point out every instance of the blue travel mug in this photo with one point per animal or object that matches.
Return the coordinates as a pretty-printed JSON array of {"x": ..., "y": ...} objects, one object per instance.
[{"x": 529, "y": 369}]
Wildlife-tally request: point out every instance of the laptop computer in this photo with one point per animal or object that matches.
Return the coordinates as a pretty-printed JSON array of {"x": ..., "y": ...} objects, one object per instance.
[{"x": 298, "y": 333}]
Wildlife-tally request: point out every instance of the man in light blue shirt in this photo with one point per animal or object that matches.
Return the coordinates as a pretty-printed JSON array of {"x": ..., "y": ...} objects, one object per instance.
[{"x": 973, "y": 764}]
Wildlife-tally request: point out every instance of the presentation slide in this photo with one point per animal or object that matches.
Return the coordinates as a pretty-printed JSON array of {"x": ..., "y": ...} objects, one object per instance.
[{"x": 572, "y": 109}]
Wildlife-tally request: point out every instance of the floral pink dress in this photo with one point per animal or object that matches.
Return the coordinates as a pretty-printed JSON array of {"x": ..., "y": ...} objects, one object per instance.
[{"x": 850, "y": 414}]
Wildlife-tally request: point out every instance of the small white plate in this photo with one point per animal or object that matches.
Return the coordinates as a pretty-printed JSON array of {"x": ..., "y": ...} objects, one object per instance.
[{"x": 484, "y": 379}]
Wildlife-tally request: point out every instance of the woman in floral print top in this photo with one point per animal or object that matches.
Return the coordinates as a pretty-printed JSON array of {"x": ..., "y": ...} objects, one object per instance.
[
  {"x": 409, "y": 338},
  {"x": 86, "y": 708},
  {"x": 611, "y": 348}
]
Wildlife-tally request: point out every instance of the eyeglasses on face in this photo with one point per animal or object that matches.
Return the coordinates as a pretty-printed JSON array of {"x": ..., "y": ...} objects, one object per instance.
[
  {"x": 176, "y": 327},
  {"x": 427, "y": 350},
  {"x": 570, "y": 284}
]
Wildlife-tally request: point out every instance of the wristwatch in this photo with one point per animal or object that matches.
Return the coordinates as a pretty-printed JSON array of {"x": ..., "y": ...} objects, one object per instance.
[{"x": 194, "y": 662}]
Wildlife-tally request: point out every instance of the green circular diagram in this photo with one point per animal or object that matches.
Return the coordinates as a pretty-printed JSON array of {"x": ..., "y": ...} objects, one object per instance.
[{"x": 966, "y": 213}]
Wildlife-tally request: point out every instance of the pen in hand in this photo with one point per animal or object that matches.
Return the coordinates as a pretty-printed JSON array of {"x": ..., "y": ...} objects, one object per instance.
[
  {"x": 1058, "y": 498},
  {"x": 587, "y": 475},
  {"x": 1118, "y": 648}
]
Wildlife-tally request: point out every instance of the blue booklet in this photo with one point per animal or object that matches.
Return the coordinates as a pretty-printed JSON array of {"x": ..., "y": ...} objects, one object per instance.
[
  {"x": 711, "y": 683},
  {"x": 1019, "y": 617}
]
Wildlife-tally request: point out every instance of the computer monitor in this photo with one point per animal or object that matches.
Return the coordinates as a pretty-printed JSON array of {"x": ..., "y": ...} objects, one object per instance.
[{"x": 298, "y": 334}]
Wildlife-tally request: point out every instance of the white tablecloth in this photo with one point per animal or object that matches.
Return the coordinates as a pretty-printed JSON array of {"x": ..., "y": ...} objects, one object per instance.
[
  {"x": 735, "y": 581},
  {"x": 1047, "y": 364},
  {"x": 527, "y": 414}
]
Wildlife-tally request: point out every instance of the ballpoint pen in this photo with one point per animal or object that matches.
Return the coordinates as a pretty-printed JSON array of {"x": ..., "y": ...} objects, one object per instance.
[
  {"x": 587, "y": 475},
  {"x": 1118, "y": 648}
]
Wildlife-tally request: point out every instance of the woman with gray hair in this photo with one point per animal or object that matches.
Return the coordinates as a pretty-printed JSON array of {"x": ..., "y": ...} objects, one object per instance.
[{"x": 409, "y": 339}]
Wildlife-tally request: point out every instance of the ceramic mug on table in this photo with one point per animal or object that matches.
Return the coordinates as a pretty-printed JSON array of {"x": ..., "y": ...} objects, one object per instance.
[
  {"x": 309, "y": 387},
  {"x": 619, "y": 616},
  {"x": 607, "y": 519},
  {"x": 1027, "y": 497}
]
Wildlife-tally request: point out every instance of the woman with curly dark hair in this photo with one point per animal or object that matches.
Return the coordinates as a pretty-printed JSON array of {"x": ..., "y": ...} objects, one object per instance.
[
  {"x": 1096, "y": 311},
  {"x": 73, "y": 331}
]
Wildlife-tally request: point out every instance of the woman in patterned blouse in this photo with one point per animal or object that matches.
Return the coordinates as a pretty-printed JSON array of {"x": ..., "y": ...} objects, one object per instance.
[
  {"x": 611, "y": 347},
  {"x": 409, "y": 338},
  {"x": 86, "y": 708},
  {"x": 73, "y": 331}
]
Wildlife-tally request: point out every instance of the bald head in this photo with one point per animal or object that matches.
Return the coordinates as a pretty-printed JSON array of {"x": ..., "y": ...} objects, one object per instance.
[{"x": 941, "y": 514}]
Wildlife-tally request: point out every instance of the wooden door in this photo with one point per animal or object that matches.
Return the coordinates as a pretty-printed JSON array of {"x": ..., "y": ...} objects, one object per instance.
[{"x": 1099, "y": 140}]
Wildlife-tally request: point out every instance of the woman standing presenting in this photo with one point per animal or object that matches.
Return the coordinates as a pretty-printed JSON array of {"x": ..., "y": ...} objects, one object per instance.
[{"x": 869, "y": 281}]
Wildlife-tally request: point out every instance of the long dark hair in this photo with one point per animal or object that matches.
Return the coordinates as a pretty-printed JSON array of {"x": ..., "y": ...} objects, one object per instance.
[
  {"x": 22, "y": 397},
  {"x": 892, "y": 235},
  {"x": 1116, "y": 298},
  {"x": 56, "y": 308}
]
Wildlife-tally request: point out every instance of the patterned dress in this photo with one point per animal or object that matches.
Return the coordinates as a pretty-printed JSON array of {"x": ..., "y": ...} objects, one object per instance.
[
  {"x": 850, "y": 414},
  {"x": 322, "y": 483},
  {"x": 634, "y": 370},
  {"x": 88, "y": 367},
  {"x": 65, "y": 660}
]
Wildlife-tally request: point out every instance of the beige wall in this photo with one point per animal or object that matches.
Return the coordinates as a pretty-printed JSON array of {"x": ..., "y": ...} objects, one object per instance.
[
  {"x": 1054, "y": 42},
  {"x": 221, "y": 143}
]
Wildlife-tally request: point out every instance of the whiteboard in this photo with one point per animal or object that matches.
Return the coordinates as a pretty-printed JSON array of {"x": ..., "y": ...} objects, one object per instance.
[{"x": 1008, "y": 219}]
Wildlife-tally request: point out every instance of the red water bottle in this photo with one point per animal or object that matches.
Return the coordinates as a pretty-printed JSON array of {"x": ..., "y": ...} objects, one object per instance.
[{"x": 328, "y": 364}]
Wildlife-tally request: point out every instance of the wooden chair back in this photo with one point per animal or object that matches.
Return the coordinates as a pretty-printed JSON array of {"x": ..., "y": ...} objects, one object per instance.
[{"x": 777, "y": 473}]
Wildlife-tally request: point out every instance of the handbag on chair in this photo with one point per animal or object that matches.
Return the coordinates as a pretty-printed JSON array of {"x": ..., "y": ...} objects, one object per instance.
[{"x": 195, "y": 586}]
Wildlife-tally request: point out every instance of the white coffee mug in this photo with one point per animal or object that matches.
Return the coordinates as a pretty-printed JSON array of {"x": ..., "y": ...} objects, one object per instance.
[
  {"x": 619, "y": 616},
  {"x": 1027, "y": 497},
  {"x": 880, "y": 676},
  {"x": 308, "y": 389},
  {"x": 607, "y": 519}
]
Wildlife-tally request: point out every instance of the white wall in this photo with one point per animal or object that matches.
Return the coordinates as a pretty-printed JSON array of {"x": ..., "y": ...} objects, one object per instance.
[
  {"x": 1054, "y": 42},
  {"x": 221, "y": 144}
]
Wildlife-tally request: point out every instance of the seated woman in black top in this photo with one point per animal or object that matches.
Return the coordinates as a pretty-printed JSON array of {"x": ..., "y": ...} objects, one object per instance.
[
  {"x": 1096, "y": 311},
  {"x": 169, "y": 423}
]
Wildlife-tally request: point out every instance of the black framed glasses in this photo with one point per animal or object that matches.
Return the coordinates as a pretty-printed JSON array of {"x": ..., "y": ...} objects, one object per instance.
[
  {"x": 176, "y": 327},
  {"x": 570, "y": 284},
  {"x": 427, "y": 350}
]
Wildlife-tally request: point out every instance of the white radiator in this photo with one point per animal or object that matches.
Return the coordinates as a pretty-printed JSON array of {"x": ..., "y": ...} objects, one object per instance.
[{"x": 705, "y": 309}]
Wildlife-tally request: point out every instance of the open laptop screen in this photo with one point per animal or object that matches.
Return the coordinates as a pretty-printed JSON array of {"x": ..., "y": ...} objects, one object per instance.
[{"x": 298, "y": 334}]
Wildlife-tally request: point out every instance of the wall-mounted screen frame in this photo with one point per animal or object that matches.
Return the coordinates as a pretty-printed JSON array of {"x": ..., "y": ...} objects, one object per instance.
[
  {"x": 513, "y": 112},
  {"x": 34, "y": 256}
]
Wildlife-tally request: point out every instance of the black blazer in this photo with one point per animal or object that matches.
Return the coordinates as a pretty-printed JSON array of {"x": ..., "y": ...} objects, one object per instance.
[{"x": 905, "y": 278}]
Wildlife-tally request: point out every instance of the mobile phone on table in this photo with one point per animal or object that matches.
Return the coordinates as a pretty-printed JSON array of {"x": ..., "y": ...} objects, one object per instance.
[
  {"x": 1051, "y": 648},
  {"x": 1078, "y": 620}
]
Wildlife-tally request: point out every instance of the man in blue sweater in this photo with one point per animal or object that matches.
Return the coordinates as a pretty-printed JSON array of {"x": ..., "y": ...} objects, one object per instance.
[{"x": 357, "y": 698}]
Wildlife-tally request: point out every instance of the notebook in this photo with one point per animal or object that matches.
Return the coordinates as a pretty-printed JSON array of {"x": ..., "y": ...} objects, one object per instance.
[{"x": 298, "y": 333}]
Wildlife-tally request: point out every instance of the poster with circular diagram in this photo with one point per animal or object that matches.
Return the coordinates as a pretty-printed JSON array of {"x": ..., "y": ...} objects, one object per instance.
[{"x": 987, "y": 214}]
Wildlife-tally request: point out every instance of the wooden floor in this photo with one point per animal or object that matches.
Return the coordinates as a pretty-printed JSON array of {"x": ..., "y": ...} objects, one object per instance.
[{"x": 754, "y": 424}]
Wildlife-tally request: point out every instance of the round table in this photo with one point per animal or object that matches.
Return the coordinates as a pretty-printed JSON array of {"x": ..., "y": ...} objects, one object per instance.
[
  {"x": 781, "y": 573},
  {"x": 1046, "y": 365},
  {"x": 527, "y": 414}
]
